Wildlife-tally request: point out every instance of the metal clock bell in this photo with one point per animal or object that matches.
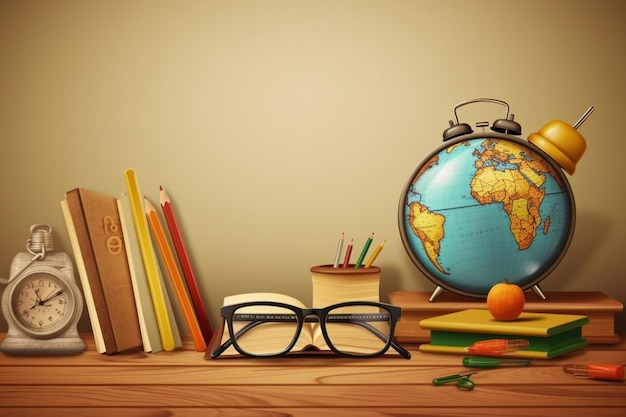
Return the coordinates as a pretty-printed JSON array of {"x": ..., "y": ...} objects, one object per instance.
[{"x": 42, "y": 302}]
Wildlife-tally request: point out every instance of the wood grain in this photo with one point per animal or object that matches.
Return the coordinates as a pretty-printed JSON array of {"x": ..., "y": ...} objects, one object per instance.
[{"x": 183, "y": 383}]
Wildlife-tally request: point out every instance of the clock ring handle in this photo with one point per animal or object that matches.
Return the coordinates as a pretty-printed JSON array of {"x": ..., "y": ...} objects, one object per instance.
[
  {"x": 506, "y": 125},
  {"x": 481, "y": 100},
  {"x": 41, "y": 240}
]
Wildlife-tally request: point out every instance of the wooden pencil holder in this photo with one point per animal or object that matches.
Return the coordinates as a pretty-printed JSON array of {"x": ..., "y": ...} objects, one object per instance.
[{"x": 336, "y": 285}]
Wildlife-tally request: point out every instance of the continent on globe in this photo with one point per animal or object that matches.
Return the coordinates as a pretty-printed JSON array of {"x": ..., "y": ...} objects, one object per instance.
[
  {"x": 520, "y": 200},
  {"x": 517, "y": 188},
  {"x": 428, "y": 227}
]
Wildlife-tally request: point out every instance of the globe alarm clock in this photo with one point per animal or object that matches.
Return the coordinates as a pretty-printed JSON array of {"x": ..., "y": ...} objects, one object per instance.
[
  {"x": 487, "y": 206},
  {"x": 42, "y": 302}
]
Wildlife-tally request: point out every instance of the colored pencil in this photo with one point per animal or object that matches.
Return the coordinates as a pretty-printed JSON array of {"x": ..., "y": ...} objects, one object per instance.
[
  {"x": 185, "y": 263},
  {"x": 346, "y": 260},
  {"x": 339, "y": 248},
  {"x": 177, "y": 280},
  {"x": 366, "y": 247},
  {"x": 372, "y": 258}
]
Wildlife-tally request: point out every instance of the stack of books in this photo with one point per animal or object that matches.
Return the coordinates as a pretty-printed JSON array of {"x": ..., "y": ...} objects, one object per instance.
[
  {"x": 599, "y": 308},
  {"x": 548, "y": 334},
  {"x": 125, "y": 291}
]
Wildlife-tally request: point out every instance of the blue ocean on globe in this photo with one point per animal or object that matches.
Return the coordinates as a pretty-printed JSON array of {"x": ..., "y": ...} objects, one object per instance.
[{"x": 470, "y": 245}]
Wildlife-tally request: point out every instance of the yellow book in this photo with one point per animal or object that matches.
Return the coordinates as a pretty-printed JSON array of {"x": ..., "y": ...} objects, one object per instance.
[
  {"x": 548, "y": 334},
  {"x": 145, "y": 309}
]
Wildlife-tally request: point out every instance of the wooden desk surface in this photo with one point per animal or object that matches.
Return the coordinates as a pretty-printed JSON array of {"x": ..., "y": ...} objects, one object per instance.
[{"x": 183, "y": 383}]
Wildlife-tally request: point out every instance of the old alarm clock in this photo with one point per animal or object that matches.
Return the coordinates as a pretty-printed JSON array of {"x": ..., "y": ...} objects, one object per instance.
[
  {"x": 488, "y": 205},
  {"x": 42, "y": 302}
]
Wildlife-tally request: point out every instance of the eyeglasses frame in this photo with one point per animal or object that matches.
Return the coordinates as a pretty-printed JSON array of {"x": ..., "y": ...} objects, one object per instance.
[{"x": 304, "y": 315}]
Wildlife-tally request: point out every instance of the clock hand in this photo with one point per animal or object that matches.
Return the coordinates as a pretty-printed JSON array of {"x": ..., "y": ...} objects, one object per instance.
[
  {"x": 50, "y": 297},
  {"x": 37, "y": 301}
]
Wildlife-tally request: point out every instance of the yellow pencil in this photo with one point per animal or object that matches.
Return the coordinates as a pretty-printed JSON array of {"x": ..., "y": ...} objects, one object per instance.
[
  {"x": 147, "y": 253},
  {"x": 372, "y": 258}
]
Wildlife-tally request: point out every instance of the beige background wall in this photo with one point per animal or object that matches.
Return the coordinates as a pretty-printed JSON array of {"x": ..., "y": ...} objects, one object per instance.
[{"x": 276, "y": 125}]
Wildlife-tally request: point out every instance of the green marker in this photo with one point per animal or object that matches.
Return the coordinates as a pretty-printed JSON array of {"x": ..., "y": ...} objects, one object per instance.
[{"x": 493, "y": 362}]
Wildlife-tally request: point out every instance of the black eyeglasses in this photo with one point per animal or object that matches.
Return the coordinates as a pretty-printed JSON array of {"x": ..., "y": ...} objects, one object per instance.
[{"x": 354, "y": 329}]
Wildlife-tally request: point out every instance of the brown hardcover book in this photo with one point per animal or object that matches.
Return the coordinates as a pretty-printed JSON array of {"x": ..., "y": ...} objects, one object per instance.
[
  {"x": 599, "y": 308},
  {"x": 88, "y": 273},
  {"x": 102, "y": 246}
]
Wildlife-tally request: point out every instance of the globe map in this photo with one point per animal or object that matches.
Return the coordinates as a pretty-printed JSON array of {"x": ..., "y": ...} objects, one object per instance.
[{"x": 479, "y": 210}]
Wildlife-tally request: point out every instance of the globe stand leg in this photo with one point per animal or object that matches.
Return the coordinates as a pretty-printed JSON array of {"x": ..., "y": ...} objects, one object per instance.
[
  {"x": 538, "y": 291},
  {"x": 438, "y": 291}
]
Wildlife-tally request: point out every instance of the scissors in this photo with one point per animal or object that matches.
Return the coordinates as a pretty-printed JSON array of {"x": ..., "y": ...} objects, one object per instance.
[{"x": 463, "y": 381}]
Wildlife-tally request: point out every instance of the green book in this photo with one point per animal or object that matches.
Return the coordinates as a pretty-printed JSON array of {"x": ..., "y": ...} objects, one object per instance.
[{"x": 548, "y": 334}]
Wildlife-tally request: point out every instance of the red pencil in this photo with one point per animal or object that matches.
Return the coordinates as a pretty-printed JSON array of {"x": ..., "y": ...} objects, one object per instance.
[
  {"x": 346, "y": 260},
  {"x": 185, "y": 264}
]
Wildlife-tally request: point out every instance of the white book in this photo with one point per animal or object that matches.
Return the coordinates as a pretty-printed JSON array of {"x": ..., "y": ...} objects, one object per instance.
[
  {"x": 145, "y": 309},
  {"x": 84, "y": 280}
]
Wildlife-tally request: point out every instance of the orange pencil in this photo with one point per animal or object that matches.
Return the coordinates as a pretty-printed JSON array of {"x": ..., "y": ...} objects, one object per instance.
[
  {"x": 177, "y": 281},
  {"x": 497, "y": 347},
  {"x": 183, "y": 258}
]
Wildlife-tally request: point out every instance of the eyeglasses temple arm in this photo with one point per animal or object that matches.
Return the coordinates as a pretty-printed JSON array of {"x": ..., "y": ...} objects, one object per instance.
[
  {"x": 402, "y": 351},
  {"x": 217, "y": 352}
]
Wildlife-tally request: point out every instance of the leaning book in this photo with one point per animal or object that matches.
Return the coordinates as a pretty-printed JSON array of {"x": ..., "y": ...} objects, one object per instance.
[
  {"x": 94, "y": 225},
  {"x": 264, "y": 330},
  {"x": 548, "y": 334}
]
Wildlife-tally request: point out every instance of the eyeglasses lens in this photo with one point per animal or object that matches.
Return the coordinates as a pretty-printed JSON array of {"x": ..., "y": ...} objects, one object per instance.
[
  {"x": 360, "y": 330},
  {"x": 264, "y": 330}
]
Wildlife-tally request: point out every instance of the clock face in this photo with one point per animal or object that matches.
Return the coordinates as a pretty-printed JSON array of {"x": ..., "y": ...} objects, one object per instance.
[{"x": 42, "y": 304}]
